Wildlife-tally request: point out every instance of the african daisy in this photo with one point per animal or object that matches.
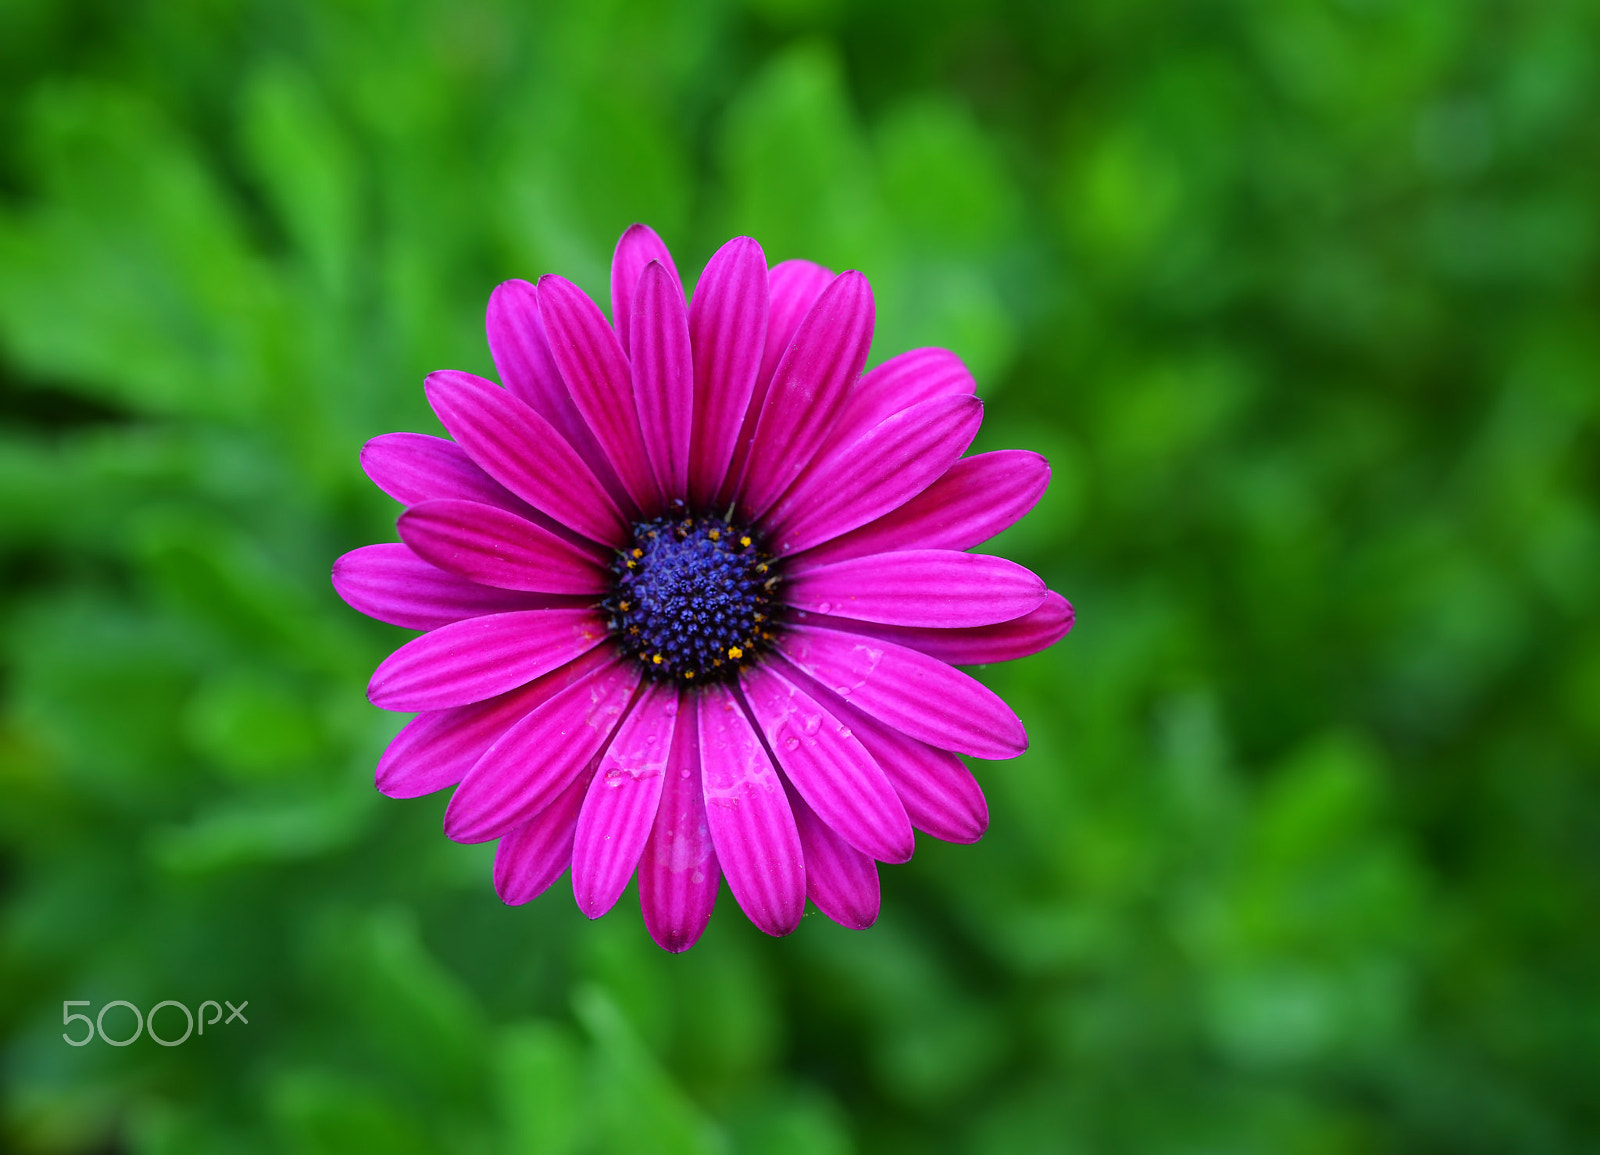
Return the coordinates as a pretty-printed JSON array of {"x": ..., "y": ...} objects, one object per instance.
[{"x": 694, "y": 589}]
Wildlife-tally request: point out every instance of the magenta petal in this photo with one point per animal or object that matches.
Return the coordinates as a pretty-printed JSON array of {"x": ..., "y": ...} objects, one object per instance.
[
  {"x": 390, "y": 583},
  {"x": 807, "y": 389},
  {"x": 678, "y": 872},
  {"x": 919, "y": 587},
  {"x": 620, "y": 806},
  {"x": 940, "y": 794},
  {"x": 494, "y": 548},
  {"x": 533, "y": 855},
  {"x": 916, "y": 694},
  {"x": 828, "y": 766},
  {"x": 728, "y": 330},
  {"x": 413, "y": 467},
  {"x": 749, "y": 816},
  {"x": 522, "y": 451},
  {"x": 436, "y": 749},
  {"x": 468, "y": 661},
  {"x": 895, "y": 461},
  {"x": 533, "y": 761},
  {"x": 899, "y": 383},
  {"x": 596, "y": 371},
  {"x": 526, "y": 366},
  {"x": 792, "y": 288},
  {"x": 1002, "y": 642},
  {"x": 636, "y": 248},
  {"x": 840, "y": 880},
  {"x": 663, "y": 377},
  {"x": 975, "y": 499}
]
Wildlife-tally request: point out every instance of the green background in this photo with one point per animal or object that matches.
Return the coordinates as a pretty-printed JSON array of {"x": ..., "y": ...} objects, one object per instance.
[{"x": 1302, "y": 300}]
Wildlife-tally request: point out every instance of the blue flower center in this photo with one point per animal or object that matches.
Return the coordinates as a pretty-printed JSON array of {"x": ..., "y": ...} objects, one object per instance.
[{"x": 694, "y": 599}]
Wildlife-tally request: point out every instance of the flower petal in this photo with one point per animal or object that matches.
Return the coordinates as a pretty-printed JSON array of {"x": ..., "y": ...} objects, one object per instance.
[
  {"x": 414, "y": 467},
  {"x": 489, "y": 546},
  {"x": 1002, "y": 642},
  {"x": 728, "y": 332},
  {"x": 436, "y": 749},
  {"x": 912, "y": 692},
  {"x": 526, "y": 366},
  {"x": 390, "y": 583},
  {"x": 895, "y": 461},
  {"x": 751, "y": 824},
  {"x": 534, "y": 761},
  {"x": 596, "y": 371},
  {"x": 840, "y": 880},
  {"x": 471, "y": 660},
  {"x": 792, "y": 288},
  {"x": 620, "y": 806},
  {"x": 636, "y": 248},
  {"x": 663, "y": 377},
  {"x": 919, "y": 587},
  {"x": 533, "y": 855},
  {"x": 831, "y": 769},
  {"x": 678, "y": 872},
  {"x": 975, "y": 499},
  {"x": 807, "y": 389},
  {"x": 940, "y": 795},
  {"x": 522, "y": 451},
  {"x": 902, "y": 381}
]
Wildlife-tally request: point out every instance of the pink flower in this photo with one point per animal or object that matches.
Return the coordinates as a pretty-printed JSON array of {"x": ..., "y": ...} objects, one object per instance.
[{"x": 694, "y": 591}]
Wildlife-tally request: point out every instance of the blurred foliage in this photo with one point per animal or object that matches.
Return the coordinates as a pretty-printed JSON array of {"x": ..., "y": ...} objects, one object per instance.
[{"x": 1300, "y": 299}]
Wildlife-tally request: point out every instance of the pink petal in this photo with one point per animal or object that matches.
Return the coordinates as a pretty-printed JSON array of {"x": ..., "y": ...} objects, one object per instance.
[
  {"x": 792, "y": 288},
  {"x": 909, "y": 379},
  {"x": 940, "y": 794},
  {"x": 840, "y": 880},
  {"x": 748, "y": 813},
  {"x": 489, "y": 546},
  {"x": 413, "y": 467},
  {"x": 596, "y": 371},
  {"x": 620, "y": 807},
  {"x": 469, "y": 661},
  {"x": 975, "y": 499},
  {"x": 663, "y": 377},
  {"x": 521, "y": 450},
  {"x": 807, "y": 389},
  {"x": 636, "y": 248},
  {"x": 535, "y": 760},
  {"x": 523, "y": 359},
  {"x": 912, "y": 692},
  {"x": 533, "y": 855},
  {"x": 1003, "y": 642},
  {"x": 895, "y": 461},
  {"x": 678, "y": 872},
  {"x": 831, "y": 769},
  {"x": 390, "y": 583},
  {"x": 436, "y": 749},
  {"x": 728, "y": 331},
  {"x": 919, "y": 587}
]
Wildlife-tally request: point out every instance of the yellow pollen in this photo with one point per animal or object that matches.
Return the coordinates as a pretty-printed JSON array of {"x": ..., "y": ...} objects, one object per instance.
[
  {"x": 715, "y": 535},
  {"x": 735, "y": 652},
  {"x": 762, "y": 568},
  {"x": 624, "y": 606},
  {"x": 638, "y": 552},
  {"x": 656, "y": 659},
  {"x": 688, "y": 673},
  {"x": 745, "y": 540}
]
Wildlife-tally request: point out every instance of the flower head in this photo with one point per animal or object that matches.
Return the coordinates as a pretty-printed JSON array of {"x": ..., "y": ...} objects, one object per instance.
[{"x": 694, "y": 590}]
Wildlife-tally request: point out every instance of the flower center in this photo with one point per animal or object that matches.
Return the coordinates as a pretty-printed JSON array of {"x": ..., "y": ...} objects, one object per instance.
[{"x": 693, "y": 598}]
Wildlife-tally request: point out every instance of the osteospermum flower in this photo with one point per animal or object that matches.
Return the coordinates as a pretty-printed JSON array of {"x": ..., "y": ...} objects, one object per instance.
[{"x": 694, "y": 590}]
